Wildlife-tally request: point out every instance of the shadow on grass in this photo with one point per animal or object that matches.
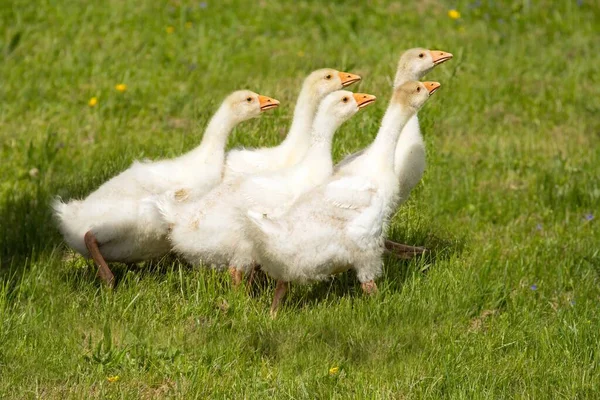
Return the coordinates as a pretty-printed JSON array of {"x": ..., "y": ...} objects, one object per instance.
[
  {"x": 27, "y": 229},
  {"x": 396, "y": 272},
  {"x": 84, "y": 270}
]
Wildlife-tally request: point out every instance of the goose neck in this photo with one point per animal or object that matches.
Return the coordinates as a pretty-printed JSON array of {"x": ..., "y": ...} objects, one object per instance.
[
  {"x": 383, "y": 148},
  {"x": 318, "y": 154},
  {"x": 304, "y": 115},
  {"x": 216, "y": 133},
  {"x": 403, "y": 75}
]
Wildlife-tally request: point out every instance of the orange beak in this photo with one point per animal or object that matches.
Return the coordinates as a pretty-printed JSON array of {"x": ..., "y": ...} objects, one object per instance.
[
  {"x": 363, "y": 99},
  {"x": 439, "y": 56},
  {"x": 266, "y": 103},
  {"x": 348, "y": 79},
  {"x": 432, "y": 86}
]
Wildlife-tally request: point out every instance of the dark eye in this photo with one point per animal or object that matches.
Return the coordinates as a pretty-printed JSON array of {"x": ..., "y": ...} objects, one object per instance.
[
  {"x": 249, "y": 99},
  {"x": 418, "y": 89},
  {"x": 421, "y": 55},
  {"x": 328, "y": 76},
  {"x": 345, "y": 99}
]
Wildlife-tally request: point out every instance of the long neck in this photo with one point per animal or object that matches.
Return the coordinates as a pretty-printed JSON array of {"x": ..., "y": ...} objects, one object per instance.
[
  {"x": 403, "y": 75},
  {"x": 298, "y": 137},
  {"x": 382, "y": 150},
  {"x": 318, "y": 156},
  {"x": 216, "y": 134}
]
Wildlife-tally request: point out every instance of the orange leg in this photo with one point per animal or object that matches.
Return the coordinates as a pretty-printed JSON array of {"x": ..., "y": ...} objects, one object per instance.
[
  {"x": 252, "y": 275},
  {"x": 236, "y": 276},
  {"x": 103, "y": 271},
  {"x": 369, "y": 287},
  {"x": 403, "y": 251},
  {"x": 280, "y": 290}
]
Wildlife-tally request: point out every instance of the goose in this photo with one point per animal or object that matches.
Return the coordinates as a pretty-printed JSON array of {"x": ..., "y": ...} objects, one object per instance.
[
  {"x": 118, "y": 221},
  {"x": 210, "y": 230},
  {"x": 340, "y": 224},
  {"x": 318, "y": 84},
  {"x": 409, "y": 158}
]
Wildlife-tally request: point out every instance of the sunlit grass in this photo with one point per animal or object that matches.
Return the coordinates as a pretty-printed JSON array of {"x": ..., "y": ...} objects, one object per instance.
[{"x": 506, "y": 304}]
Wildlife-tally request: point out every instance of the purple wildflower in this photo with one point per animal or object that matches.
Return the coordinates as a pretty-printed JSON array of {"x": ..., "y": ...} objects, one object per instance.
[
  {"x": 589, "y": 217},
  {"x": 533, "y": 287},
  {"x": 203, "y": 4}
]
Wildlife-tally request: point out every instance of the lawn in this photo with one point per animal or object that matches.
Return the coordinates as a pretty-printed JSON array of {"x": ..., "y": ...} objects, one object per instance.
[{"x": 505, "y": 305}]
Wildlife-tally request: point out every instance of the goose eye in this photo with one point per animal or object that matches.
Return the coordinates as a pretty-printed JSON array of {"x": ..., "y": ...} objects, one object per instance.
[
  {"x": 328, "y": 76},
  {"x": 249, "y": 99},
  {"x": 345, "y": 99},
  {"x": 418, "y": 89},
  {"x": 421, "y": 55}
]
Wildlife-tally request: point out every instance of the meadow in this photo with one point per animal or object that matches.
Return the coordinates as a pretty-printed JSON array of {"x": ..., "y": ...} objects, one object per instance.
[{"x": 505, "y": 305}]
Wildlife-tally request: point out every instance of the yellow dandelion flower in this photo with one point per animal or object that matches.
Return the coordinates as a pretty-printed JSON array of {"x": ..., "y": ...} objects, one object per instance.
[
  {"x": 454, "y": 14},
  {"x": 170, "y": 29},
  {"x": 121, "y": 87},
  {"x": 188, "y": 25},
  {"x": 93, "y": 101},
  {"x": 334, "y": 370},
  {"x": 114, "y": 378}
]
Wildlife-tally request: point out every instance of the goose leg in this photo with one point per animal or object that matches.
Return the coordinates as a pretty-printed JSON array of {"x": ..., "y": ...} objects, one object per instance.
[
  {"x": 399, "y": 254},
  {"x": 103, "y": 271},
  {"x": 236, "y": 276},
  {"x": 369, "y": 287},
  {"x": 280, "y": 290},
  {"x": 252, "y": 275},
  {"x": 403, "y": 251}
]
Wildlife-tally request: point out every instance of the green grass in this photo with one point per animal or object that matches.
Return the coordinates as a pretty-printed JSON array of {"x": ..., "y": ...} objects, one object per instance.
[{"x": 513, "y": 152}]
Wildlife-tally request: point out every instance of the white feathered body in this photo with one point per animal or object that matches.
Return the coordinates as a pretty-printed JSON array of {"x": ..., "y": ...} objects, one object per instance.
[
  {"x": 245, "y": 162},
  {"x": 210, "y": 230},
  {"x": 336, "y": 227},
  {"x": 341, "y": 224},
  {"x": 122, "y": 213},
  {"x": 201, "y": 230},
  {"x": 409, "y": 158}
]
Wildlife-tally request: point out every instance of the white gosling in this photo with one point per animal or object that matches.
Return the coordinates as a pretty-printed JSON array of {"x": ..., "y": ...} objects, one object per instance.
[
  {"x": 119, "y": 222},
  {"x": 210, "y": 230},
  {"x": 409, "y": 159},
  {"x": 244, "y": 162},
  {"x": 340, "y": 224}
]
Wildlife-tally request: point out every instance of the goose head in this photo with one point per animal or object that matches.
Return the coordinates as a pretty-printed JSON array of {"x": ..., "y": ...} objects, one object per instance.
[
  {"x": 324, "y": 81},
  {"x": 414, "y": 94},
  {"x": 340, "y": 105},
  {"x": 245, "y": 104},
  {"x": 415, "y": 63}
]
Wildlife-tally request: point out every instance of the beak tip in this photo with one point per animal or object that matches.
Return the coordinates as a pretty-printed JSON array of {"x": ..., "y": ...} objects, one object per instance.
[
  {"x": 440, "y": 57},
  {"x": 348, "y": 78},
  {"x": 267, "y": 103}
]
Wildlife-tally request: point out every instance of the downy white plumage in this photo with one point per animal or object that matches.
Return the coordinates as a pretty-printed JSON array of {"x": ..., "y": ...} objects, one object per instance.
[
  {"x": 119, "y": 221},
  {"x": 317, "y": 85},
  {"x": 210, "y": 230},
  {"x": 409, "y": 158},
  {"x": 340, "y": 224}
]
